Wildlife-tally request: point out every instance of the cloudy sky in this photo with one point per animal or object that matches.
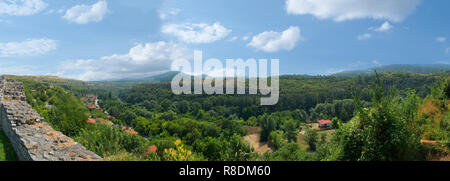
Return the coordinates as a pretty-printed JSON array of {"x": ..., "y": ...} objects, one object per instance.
[{"x": 113, "y": 39}]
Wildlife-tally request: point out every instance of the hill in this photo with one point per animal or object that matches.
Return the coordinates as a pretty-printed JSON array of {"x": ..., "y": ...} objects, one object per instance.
[
  {"x": 421, "y": 69},
  {"x": 211, "y": 127}
]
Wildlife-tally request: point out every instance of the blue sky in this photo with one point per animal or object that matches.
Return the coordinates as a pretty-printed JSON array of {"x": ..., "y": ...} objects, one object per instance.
[{"x": 112, "y": 39}]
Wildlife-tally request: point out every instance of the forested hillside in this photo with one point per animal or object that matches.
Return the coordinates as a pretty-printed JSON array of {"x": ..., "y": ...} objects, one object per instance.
[
  {"x": 405, "y": 116},
  {"x": 420, "y": 69},
  {"x": 305, "y": 93}
]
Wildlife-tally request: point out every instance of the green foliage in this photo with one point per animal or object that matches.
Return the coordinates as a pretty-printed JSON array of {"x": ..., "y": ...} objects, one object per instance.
[
  {"x": 335, "y": 123},
  {"x": 63, "y": 111},
  {"x": 296, "y": 92},
  {"x": 200, "y": 127},
  {"x": 312, "y": 139},
  {"x": 398, "y": 68},
  {"x": 122, "y": 156},
  {"x": 7, "y": 152},
  {"x": 68, "y": 114},
  {"x": 276, "y": 139},
  {"x": 300, "y": 115},
  {"x": 385, "y": 131},
  {"x": 268, "y": 124},
  {"x": 342, "y": 109},
  {"x": 106, "y": 140},
  {"x": 434, "y": 116},
  {"x": 290, "y": 127},
  {"x": 290, "y": 152},
  {"x": 222, "y": 149}
]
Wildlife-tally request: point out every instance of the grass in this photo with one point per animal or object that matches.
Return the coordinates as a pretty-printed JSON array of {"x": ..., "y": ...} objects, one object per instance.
[
  {"x": 6, "y": 150},
  {"x": 302, "y": 141}
]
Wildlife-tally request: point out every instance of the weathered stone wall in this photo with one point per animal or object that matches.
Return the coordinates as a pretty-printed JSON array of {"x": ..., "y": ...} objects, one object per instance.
[{"x": 33, "y": 139}]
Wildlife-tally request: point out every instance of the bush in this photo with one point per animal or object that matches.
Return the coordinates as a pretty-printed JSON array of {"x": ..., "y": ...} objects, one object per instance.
[
  {"x": 311, "y": 138},
  {"x": 276, "y": 139},
  {"x": 290, "y": 152},
  {"x": 106, "y": 140}
]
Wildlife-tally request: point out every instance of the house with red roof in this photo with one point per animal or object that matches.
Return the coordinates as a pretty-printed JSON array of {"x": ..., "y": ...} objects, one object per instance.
[
  {"x": 324, "y": 123},
  {"x": 90, "y": 120}
]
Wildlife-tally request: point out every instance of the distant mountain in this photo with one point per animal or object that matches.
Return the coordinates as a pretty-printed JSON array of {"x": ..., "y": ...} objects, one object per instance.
[
  {"x": 168, "y": 76},
  {"x": 164, "y": 77},
  {"x": 423, "y": 69}
]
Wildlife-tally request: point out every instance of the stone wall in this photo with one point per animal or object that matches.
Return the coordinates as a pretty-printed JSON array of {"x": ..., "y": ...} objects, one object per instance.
[{"x": 32, "y": 138}]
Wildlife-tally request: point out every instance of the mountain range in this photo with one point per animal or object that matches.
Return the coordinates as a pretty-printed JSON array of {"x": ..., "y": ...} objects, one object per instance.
[{"x": 407, "y": 68}]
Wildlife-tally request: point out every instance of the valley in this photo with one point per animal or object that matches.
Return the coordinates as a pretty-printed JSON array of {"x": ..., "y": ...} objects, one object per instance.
[{"x": 145, "y": 121}]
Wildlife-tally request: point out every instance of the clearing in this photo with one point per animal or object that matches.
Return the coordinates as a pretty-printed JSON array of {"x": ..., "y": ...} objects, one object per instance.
[{"x": 253, "y": 138}]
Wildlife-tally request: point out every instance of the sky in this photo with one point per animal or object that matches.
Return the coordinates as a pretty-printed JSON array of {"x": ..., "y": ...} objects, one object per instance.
[{"x": 115, "y": 39}]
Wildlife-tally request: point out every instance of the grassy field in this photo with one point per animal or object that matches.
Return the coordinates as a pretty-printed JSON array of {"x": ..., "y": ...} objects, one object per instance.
[
  {"x": 302, "y": 141},
  {"x": 6, "y": 150}
]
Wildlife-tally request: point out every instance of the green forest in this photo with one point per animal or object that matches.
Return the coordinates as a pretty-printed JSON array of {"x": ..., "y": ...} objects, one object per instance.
[{"x": 380, "y": 117}]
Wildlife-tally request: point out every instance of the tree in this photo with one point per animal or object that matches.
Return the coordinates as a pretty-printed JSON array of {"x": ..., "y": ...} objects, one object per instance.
[
  {"x": 128, "y": 116},
  {"x": 300, "y": 115},
  {"x": 150, "y": 104},
  {"x": 290, "y": 152},
  {"x": 335, "y": 123},
  {"x": 169, "y": 115},
  {"x": 268, "y": 124},
  {"x": 165, "y": 104},
  {"x": 238, "y": 149},
  {"x": 231, "y": 127},
  {"x": 290, "y": 127},
  {"x": 196, "y": 107},
  {"x": 183, "y": 106},
  {"x": 276, "y": 139},
  {"x": 311, "y": 138},
  {"x": 143, "y": 125},
  {"x": 211, "y": 148},
  {"x": 385, "y": 131}
]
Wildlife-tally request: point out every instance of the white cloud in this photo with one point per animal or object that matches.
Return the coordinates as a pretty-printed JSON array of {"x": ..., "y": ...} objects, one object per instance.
[
  {"x": 5, "y": 21},
  {"x": 141, "y": 60},
  {"x": 197, "y": 33},
  {"x": 165, "y": 14},
  {"x": 441, "y": 39},
  {"x": 83, "y": 14},
  {"x": 234, "y": 38},
  {"x": 29, "y": 47},
  {"x": 270, "y": 41},
  {"x": 21, "y": 7},
  {"x": 14, "y": 69},
  {"x": 376, "y": 62},
  {"x": 245, "y": 38},
  {"x": 386, "y": 26},
  {"x": 364, "y": 36},
  {"x": 447, "y": 50},
  {"x": 341, "y": 10},
  {"x": 51, "y": 11}
]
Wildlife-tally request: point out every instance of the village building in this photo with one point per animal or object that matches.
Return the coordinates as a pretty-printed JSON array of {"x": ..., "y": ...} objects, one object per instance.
[{"x": 324, "y": 123}]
